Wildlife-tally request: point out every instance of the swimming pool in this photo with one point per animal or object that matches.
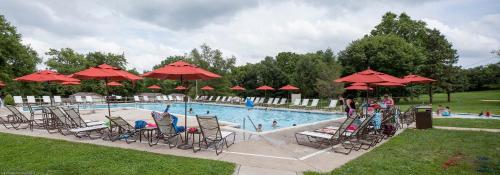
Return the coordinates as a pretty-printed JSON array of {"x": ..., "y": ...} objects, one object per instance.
[{"x": 236, "y": 114}]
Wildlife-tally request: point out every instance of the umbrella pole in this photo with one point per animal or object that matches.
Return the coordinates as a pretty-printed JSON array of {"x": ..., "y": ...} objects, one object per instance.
[
  {"x": 107, "y": 94},
  {"x": 185, "y": 145}
]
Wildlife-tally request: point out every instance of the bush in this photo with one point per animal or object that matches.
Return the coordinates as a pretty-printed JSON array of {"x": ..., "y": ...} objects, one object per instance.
[{"x": 8, "y": 100}]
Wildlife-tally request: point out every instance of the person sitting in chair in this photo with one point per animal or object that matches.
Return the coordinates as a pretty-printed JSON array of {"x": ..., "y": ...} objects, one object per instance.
[{"x": 178, "y": 129}]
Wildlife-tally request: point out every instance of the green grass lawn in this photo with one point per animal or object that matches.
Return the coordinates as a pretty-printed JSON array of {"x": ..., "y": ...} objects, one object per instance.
[
  {"x": 467, "y": 123},
  {"x": 431, "y": 151},
  {"x": 469, "y": 102},
  {"x": 31, "y": 155}
]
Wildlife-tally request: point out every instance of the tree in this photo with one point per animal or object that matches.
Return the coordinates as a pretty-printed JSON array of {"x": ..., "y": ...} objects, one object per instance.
[
  {"x": 66, "y": 61},
  {"x": 385, "y": 53},
  {"x": 439, "y": 55},
  {"x": 16, "y": 59},
  {"x": 98, "y": 58}
]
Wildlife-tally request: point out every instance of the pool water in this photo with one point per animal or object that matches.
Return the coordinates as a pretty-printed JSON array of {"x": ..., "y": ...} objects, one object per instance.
[{"x": 233, "y": 114}]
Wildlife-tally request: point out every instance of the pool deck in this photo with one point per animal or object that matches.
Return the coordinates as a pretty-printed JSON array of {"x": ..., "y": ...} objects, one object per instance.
[{"x": 263, "y": 153}]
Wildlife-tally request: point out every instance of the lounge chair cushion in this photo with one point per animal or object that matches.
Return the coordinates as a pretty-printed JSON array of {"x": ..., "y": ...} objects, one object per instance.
[
  {"x": 90, "y": 128},
  {"x": 316, "y": 134}
]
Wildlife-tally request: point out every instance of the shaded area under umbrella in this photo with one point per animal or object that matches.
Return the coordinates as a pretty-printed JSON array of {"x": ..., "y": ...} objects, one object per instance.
[
  {"x": 265, "y": 89},
  {"x": 182, "y": 71},
  {"x": 416, "y": 79},
  {"x": 107, "y": 73}
]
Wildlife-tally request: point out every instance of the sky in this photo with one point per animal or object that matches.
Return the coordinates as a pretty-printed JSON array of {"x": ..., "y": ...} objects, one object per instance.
[{"x": 148, "y": 31}]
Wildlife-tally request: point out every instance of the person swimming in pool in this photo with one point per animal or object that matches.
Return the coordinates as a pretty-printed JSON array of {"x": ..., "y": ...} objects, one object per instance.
[
  {"x": 259, "y": 128},
  {"x": 190, "y": 110},
  {"x": 208, "y": 112},
  {"x": 275, "y": 124}
]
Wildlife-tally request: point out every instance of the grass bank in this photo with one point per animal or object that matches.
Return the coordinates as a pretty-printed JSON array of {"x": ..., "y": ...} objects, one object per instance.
[{"x": 31, "y": 155}]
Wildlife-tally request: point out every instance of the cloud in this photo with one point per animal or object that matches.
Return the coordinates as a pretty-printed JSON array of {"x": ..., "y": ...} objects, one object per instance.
[{"x": 148, "y": 31}]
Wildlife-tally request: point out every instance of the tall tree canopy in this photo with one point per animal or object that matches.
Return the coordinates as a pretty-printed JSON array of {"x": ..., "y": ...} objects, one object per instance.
[{"x": 16, "y": 59}]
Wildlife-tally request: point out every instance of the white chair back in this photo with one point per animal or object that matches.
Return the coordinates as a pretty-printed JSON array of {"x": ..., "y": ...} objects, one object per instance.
[
  {"x": 46, "y": 99},
  {"x": 276, "y": 101},
  {"x": 270, "y": 101},
  {"x": 146, "y": 98},
  {"x": 89, "y": 99},
  {"x": 57, "y": 99},
  {"x": 136, "y": 98},
  {"x": 223, "y": 99},
  {"x": 217, "y": 99},
  {"x": 31, "y": 99},
  {"x": 165, "y": 98},
  {"x": 305, "y": 102},
  {"x": 178, "y": 98},
  {"x": 78, "y": 99},
  {"x": 158, "y": 98},
  {"x": 283, "y": 101},
  {"x": 118, "y": 97},
  {"x": 296, "y": 102},
  {"x": 170, "y": 98},
  {"x": 333, "y": 103},
  {"x": 314, "y": 103},
  {"x": 18, "y": 99}
]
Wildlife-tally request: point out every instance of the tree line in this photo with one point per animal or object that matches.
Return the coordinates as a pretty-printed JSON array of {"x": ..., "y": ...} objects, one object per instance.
[{"x": 398, "y": 45}]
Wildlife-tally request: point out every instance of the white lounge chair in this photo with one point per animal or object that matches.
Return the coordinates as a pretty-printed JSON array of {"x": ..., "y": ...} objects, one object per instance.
[
  {"x": 178, "y": 98},
  {"x": 276, "y": 101},
  {"x": 197, "y": 98},
  {"x": 269, "y": 101},
  {"x": 223, "y": 100},
  {"x": 46, "y": 99},
  {"x": 304, "y": 103},
  {"x": 256, "y": 100},
  {"x": 295, "y": 103},
  {"x": 159, "y": 99},
  {"x": 89, "y": 99},
  {"x": 31, "y": 99},
  {"x": 262, "y": 101},
  {"x": 136, "y": 99},
  {"x": 78, "y": 99},
  {"x": 57, "y": 100},
  {"x": 217, "y": 99},
  {"x": 282, "y": 102},
  {"x": 229, "y": 99},
  {"x": 314, "y": 104},
  {"x": 18, "y": 100},
  {"x": 332, "y": 105},
  {"x": 210, "y": 99},
  {"x": 165, "y": 98},
  {"x": 145, "y": 98},
  {"x": 170, "y": 98}
]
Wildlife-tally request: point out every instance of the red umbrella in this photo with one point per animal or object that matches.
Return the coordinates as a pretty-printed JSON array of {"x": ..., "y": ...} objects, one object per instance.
[
  {"x": 181, "y": 70},
  {"x": 154, "y": 87},
  {"x": 180, "y": 88},
  {"x": 207, "y": 88},
  {"x": 369, "y": 76},
  {"x": 45, "y": 76},
  {"x": 114, "y": 83},
  {"x": 289, "y": 88},
  {"x": 107, "y": 73},
  {"x": 69, "y": 83},
  {"x": 409, "y": 79},
  {"x": 2, "y": 84},
  {"x": 389, "y": 84},
  {"x": 238, "y": 88},
  {"x": 265, "y": 88},
  {"x": 359, "y": 88},
  {"x": 417, "y": 79}
]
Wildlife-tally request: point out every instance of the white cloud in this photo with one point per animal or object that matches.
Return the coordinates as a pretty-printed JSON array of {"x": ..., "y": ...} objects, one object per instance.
[{"x": 149, "y": 31}]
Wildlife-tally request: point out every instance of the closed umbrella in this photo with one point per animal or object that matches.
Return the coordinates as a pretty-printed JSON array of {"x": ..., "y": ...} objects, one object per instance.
[
  {"x": 182, "y": 71},
  {"x": 107, "y": 73}
]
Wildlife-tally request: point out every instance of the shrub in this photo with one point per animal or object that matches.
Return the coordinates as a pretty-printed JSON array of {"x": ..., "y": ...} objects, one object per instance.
[{"x": 8, "y": 100}]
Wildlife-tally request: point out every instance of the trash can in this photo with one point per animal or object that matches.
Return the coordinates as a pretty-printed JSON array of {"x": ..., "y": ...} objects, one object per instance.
[{"x": 423, "y": 117}]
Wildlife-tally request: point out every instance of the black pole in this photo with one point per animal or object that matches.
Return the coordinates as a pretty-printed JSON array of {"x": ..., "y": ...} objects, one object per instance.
[
  {"x": 107, "y": 94},
  {"x": 185, "y": 145}
]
